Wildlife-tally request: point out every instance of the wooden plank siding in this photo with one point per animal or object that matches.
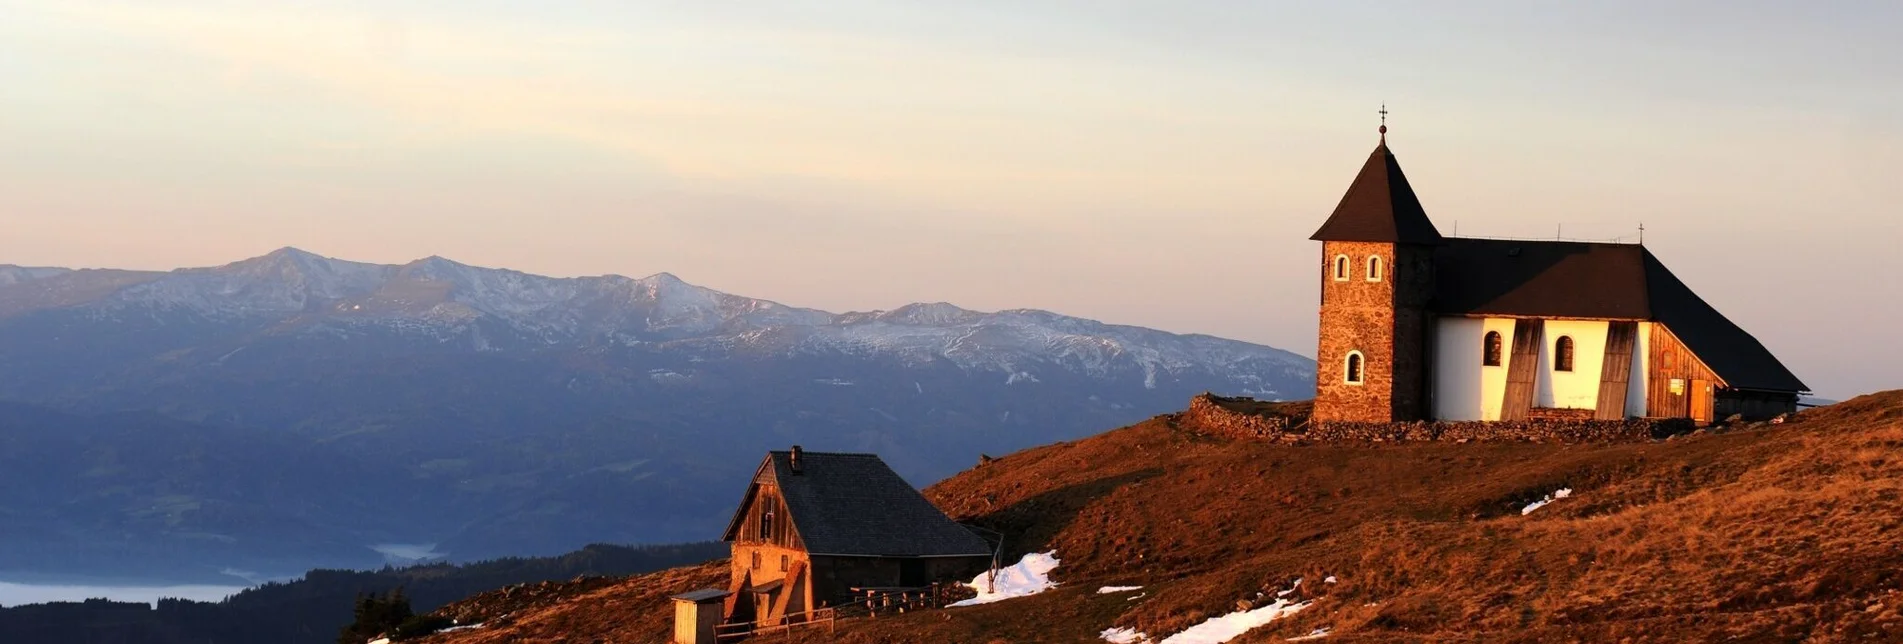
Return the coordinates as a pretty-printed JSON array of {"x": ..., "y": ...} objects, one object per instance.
[
  {"x": 1671, "y": 360},
  {"x": 1616, "y": 376},
  {"x": 766, "y": 499},
  {"x": 1522, "y": 370}
]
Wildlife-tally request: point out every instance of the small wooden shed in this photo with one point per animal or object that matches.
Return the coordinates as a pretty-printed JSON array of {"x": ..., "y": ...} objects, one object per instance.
[{"x": 696, "y": 614}]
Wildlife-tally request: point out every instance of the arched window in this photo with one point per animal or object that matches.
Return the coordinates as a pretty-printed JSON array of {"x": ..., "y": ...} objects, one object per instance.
[
  {"x": 1352, "y": 370},
  {"x": 766, "y": 525},
  {"x": 1341, "y": 268},
  {"x": 1375, "y": 272},
  {"x": 1491, "y": 357},
  {"x": 1563, "y": 354}
]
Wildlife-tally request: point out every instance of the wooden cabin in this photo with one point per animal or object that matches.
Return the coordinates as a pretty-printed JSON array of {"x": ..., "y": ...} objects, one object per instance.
[{"x": 815, "y": 528}]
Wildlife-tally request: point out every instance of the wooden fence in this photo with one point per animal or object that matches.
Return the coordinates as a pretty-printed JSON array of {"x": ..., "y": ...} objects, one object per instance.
[
  {"x": 813, "y": 618},
  {"x": 870, "y": 602}
]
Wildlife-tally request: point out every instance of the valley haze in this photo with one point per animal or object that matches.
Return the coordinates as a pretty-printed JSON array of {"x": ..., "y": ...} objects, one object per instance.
[{"x": 292, "y": 410}]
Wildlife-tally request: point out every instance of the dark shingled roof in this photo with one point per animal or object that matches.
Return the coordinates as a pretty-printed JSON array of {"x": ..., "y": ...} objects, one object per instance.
[
  {"x": 1379, "y": 207},
  {"x": 1599, "y": 281},
  {"x": 853, "y": 504}
]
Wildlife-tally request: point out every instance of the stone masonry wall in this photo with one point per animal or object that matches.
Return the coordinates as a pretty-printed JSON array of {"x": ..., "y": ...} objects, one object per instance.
[
  {"x": 1356, "y": 315},
  {"x": 1386, "y": 321},
  {"x": 1413, "y": 277}
]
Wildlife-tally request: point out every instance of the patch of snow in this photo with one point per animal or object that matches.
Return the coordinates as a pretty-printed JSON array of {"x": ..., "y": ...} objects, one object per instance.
[
  {"x": 1137, "y": 597},
  {"x": 834, "y": 382},
  {"x": 1111, "y": 590},
  {"x": 1291, "y": 589},
  {"x": 1312, "y": 635},
  {"x": 1019, "y": 376},
  {"x": 1330, "y": 580},
  {"x": 1555, "y": 496},
  {"x": 1124, "y": 635},
  {"x": 1222, "y": 629},
  {"x": 1029, "y": 576}
]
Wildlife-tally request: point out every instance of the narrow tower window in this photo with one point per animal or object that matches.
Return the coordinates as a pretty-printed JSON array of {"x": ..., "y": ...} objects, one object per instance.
[
  {"x": 1375, "y": 272},
  {"x": 1341, "y": 268},
  {"x": 1563, "y": 354},
  {"x": 1491, "y": 357},
  {"x": 1352, "y": 371}
]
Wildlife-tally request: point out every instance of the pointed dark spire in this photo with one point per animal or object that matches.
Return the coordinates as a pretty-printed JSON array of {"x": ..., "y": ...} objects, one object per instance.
[{"x": 1380, "y": 206}]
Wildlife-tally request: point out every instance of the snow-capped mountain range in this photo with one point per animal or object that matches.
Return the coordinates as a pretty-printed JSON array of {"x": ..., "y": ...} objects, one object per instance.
[
  {"x": 487, "y": 309},
  {"x": 290, "y": 410}
]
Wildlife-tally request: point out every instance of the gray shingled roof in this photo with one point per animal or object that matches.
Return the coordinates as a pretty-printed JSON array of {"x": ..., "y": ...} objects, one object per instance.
[
  {"x": 701, "y": 595},
  {"x": 1379, "y": 206},
  {"x": 853, "y": 504},
  {"x": 1565, "y": 279}
]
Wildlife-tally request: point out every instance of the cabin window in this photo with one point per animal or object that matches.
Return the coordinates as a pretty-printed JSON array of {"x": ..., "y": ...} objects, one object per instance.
[
  {"x": 1375, "y": 269},
  {"x": 756, "y": 560},
  {"x": 766, "y": 526},
  {"x": 1563, "y": 354},
  {"x": 1341, "y": 268},
  {"x": 1491, "y": 356},
  {"x": 784, "y": 563},
  {"x": 1352, "y": 370}
]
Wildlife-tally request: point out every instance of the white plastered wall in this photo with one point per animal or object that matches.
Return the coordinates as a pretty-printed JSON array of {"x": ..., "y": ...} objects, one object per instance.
[
  {"x": 1579, "y": 388},
  {"x": 1464, "y": 388}
]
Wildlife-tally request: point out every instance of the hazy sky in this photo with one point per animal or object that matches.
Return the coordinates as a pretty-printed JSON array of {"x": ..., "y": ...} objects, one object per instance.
[{"x": 1154, "y": 163}]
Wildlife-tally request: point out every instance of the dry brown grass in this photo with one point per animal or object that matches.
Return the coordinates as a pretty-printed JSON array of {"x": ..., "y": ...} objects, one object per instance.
[
  {"x": 1782, "y": 533},
  {"x": 1789, "y": 533},
  {"x": 634, "y": 609}
]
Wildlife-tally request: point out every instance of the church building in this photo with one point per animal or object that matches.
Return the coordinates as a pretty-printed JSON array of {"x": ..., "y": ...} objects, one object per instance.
[{"x": 1420, "y": 326}]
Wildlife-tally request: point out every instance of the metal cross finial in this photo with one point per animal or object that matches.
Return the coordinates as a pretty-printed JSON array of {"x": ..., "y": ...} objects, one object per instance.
[{"x": 1384, "y": 122}]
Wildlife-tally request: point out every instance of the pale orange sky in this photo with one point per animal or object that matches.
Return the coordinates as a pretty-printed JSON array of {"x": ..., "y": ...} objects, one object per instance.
[{"x": 1146, "y": 163}]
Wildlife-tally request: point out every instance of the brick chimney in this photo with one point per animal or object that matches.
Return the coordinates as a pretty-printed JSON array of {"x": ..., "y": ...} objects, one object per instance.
[{"x": 794, "y": 462}]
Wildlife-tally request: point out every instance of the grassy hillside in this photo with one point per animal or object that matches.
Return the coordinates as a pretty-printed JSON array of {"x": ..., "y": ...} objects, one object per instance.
[{"x": 1769, "y": 533}]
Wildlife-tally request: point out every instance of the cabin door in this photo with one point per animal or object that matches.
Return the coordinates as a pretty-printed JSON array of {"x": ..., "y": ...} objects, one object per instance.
[{"x": 1702, "y": 391}]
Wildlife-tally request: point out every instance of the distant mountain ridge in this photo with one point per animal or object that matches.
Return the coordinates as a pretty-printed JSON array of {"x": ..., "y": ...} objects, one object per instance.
[
  {"x": 519, "y": 414},
  {"x": 496, "y": 309}
]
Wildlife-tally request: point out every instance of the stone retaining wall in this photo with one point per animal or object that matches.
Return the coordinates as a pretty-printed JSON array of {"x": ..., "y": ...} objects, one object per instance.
[
  {"x": 1531, "y": 431},
  {"x": 1206, "y": 415}
]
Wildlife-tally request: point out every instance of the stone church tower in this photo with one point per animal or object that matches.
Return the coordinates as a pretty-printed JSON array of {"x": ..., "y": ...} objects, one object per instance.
[{"x": 1377, "y": 279}]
